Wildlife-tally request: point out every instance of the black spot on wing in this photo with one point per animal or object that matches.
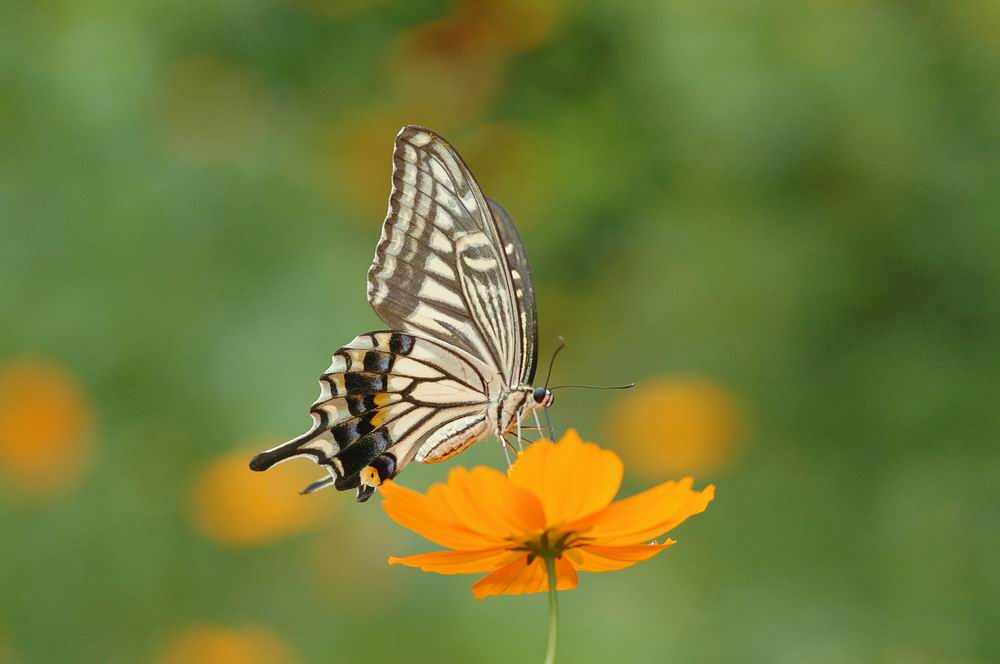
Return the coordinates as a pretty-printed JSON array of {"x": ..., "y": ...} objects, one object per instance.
[
  {"x": 348, "y": 482},
  {"x": 355, "y": 457},
  {"x": 346, "y": 433},
  {"x": 401, "y": 344},
  {"x": 364, "y": 382},
  {"x": 385, "y": 466},
  {"x": 376, "y": 361},
  {"x": 358, "y": 404}
]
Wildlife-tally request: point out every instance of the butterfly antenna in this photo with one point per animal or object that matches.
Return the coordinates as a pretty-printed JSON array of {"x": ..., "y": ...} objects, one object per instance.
[
  {"x": 597, "y": 387},
  {"x": 552, "y": 360},
  {"x": 548, "y": 377}
]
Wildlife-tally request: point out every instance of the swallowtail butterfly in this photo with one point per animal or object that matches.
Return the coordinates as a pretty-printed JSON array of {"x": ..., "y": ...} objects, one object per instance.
[{"x": 450, "y": 279}]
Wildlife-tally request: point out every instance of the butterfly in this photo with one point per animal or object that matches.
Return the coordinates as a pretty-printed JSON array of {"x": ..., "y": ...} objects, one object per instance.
[{"x": 450, "y": 279}]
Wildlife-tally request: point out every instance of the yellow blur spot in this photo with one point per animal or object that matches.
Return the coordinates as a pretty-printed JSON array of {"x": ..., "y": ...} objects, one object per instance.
[
  {"x": 43, "y": 424},
  {"x": 980, "y": 18},
  {"x": 450, "y": 71},
  {"x": 215, "y": 645},
  {"x": 358, "y": 157},
  {"x": 6, "y": 649},
  {"x": 514, "y": 165},
  {"x": 338, "y": 8},
  {"x": 676, "y": 426},
  {"x": 342, "y": 563},
  {"x": 517, "y": 25},
  {"x": 213, "y": 110},
  {"x": 236, "y": 505}
]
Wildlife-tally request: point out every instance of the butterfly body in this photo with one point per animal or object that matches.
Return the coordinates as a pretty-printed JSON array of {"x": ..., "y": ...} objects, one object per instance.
[{"x": 451, "y": 280}]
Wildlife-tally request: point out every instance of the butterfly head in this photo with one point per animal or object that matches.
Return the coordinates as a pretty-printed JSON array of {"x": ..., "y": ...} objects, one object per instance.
[{"x": 543, "y": 397}]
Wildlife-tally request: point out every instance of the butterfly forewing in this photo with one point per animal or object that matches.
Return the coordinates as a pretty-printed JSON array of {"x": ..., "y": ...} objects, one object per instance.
[{"x": 440, "y": 268}]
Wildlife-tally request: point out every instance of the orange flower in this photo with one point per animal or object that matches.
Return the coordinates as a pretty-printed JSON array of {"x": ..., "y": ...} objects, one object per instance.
[
  {"x": 554, "y": 502},
  {"x": 240, "y": 508},
  {"x": 208, "y": 644},
  {"x": 677, "y": 425},
  {"x": 44, "y": 422}
]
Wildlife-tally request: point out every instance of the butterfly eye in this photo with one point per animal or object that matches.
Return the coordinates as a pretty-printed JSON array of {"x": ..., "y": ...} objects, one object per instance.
[{"x": 539, "y": 394}]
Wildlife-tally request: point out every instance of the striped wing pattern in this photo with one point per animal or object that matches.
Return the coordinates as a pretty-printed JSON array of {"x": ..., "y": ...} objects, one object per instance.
[
  {"x": 389, "y": 398},
  {"x": 450, "y": 278},
  {"x": 440, "y": 267},
  {"x": 524, "y": 292}
]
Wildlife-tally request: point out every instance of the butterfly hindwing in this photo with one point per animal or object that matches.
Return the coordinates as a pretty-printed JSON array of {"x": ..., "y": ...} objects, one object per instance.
[
  {"x": 524, "y": 292},
  {"x": 385, "y": 395}
]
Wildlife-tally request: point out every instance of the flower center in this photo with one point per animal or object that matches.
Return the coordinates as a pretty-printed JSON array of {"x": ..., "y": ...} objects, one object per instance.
[{"x": 550, "y": 544}]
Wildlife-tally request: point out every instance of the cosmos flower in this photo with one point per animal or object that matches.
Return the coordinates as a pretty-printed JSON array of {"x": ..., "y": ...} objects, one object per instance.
[
  {"x": 45, "y": 425},
  {"x": 554, "y": 504}
]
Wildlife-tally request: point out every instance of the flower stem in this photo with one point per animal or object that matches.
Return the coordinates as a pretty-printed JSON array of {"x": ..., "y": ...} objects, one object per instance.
[{"x": 550, "y": 652}]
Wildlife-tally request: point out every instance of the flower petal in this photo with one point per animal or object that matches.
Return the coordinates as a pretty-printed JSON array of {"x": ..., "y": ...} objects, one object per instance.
[
  {"x": 460, "y": 562},
  {"x": 571, "y": 479},
  {"x": 415, "y": 511},
  {"x": 485, "y": 501},
  {"x": 595, "y": 558},
  {"x": 646, "y": 515},
  {"x": 521, "y": 577}
]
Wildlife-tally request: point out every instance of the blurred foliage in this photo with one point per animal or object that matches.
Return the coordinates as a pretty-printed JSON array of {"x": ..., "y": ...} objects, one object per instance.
[{"x": 791, "y": 205}]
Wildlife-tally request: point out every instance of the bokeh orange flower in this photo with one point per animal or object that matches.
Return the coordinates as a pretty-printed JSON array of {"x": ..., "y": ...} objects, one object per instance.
[
  {"x": 554, "y": 502},
  {"x": 450, "y": 69},
  {"x": 241, "y": 508},
  {"x": 44, "y": 421},
  {"x": 677, "y": 426},
  {"x": 216, "y": 645}
]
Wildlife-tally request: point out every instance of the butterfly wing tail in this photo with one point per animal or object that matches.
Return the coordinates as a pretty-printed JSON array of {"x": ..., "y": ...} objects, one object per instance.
[{"x": 312, "y": 443}]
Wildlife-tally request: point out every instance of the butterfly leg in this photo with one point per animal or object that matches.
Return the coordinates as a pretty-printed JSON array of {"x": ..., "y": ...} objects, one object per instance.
[
  {"x": 505, "y": 445},
  {"x": 523, "y": 440},
  {"x": 538, "y": 423},
  {"x": 520, "y": 445}
]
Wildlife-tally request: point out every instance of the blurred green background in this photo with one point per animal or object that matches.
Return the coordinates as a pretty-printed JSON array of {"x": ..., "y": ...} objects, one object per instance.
[{"x": 780, "y": 218}]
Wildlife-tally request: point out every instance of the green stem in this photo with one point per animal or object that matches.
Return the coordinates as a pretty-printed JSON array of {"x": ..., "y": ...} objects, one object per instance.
[{"x": 550, "y": 652}]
